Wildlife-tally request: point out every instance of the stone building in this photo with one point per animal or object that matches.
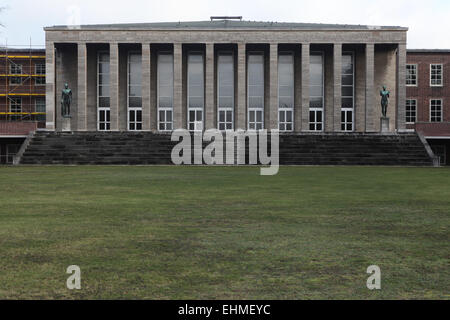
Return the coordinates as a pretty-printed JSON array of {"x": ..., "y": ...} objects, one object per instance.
[{"x": 226, "y": 74}]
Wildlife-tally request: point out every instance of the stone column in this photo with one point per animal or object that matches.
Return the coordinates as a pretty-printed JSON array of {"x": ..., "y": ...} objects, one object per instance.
[
  {"x": 114, "y": 85},
  {"x": 370, "y": 80},
  {"x": 209, "y": 87},
  {"x": 273, "y": 85},
  {"x": 241, "y": 110},
  {"x": 337, "y": 86},
  {"x": 305, "y": 86},
  {"x": 146, "y": 87},
  {"x": 50, "y": 85},
  {"x": 401, "y": 87},
  {"x": 82, "y": 87},
  {"x": 178, "y": 86}
]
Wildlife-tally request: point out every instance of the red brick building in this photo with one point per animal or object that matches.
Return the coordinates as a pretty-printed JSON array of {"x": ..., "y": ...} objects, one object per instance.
[
  {"x": 428, "y": 98},
  {"x": 22, "y": 97}
]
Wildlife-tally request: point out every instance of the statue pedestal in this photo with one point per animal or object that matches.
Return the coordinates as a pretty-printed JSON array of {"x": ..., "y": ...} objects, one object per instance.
[
  {"x": 66, "y": 124},
  {"x": 384, "y": 124}
]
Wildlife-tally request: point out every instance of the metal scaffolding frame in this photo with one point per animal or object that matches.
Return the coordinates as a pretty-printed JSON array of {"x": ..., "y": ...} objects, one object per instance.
[{"x": 26, "y": 76}]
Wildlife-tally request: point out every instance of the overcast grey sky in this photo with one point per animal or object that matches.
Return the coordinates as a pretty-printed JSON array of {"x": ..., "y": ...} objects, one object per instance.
[{"x": 429, "y": 21}]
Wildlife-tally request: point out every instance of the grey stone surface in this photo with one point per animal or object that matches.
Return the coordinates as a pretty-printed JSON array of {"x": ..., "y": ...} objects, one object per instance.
[
  {"x": 384, "y": 125},
  {"x": 146, "y": 93},
  {"x": 370, "y": 78},
  {"x": 178, "y": 86},
  {"x": 273, "y": 91},
  {"x": 66, "y": 126},
  {"x": 50, "y": 84},
  {"x": 227, "y": 24},
  {"x": 82, "y": 90},
  {"x": 210, "y": 109},
  {"x": 401, "y": 87},
  {"x": 305, "y": 86},
  {"x": 114, "y": 85},
  {"x": 241, "y": 107},
  {"x": 337, "y": 80}
]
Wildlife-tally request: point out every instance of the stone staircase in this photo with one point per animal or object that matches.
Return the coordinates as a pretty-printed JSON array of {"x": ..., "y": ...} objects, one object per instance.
[{"x": 147, "y": 148}]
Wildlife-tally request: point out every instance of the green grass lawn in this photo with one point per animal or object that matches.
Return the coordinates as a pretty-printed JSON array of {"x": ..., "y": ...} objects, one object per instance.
[{"x": 224, "y": 232}]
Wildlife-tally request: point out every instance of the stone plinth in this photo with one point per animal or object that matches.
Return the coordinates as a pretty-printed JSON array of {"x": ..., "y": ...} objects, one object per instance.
[
  {"x": 384, "y": 124},
  {"x": 66, "y": 124}
]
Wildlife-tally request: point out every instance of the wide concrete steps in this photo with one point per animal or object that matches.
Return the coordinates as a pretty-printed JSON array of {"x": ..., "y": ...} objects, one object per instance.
[{"x": 147, "y": 148}]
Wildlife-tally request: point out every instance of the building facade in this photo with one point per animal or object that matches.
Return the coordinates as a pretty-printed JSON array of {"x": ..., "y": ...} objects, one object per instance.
[
  {"x": 22, "y": 97},
  {"x": 428, "y": 98},
  {"x": 227, "y": 75}
]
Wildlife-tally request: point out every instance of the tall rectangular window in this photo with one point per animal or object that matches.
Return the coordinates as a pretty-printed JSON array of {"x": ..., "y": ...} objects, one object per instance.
[
  {"x": 15, "y": 69},
  {"x": 255, "y": 91},
  {"x": 348, "y": 92},
  {"x": 15, "y": 106},
  {"x": 316, "y": 92},
  {"x": 411, "y": 75},
  {"x": 40, "y": 72},
  {"x": 411, "y": 110},
  {"x": 134, "y": 91},
  {"x": 39, "y": 104},
  {"x": 436, "y": 71},
  {"x": 436, "y": 110},
  {"x": 165, "y": 91},
  {"x": 196, "y": 91},
  {"x": 286, "y": 92},
  {"x": 225, "y": 91},
  {"x": 103, "y": 97}
]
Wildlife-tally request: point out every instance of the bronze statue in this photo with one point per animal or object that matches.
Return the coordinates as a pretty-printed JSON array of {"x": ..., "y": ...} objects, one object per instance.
[
  {"x": 384, "y": 100},
  {"x": 66, "y": 100}
]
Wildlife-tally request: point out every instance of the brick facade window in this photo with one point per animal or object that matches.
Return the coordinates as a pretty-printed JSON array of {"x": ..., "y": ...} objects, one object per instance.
[
  {"x": 15, "y": 68},
  {"x": 40, "y": 70},
  {"x": 411, "y": 111},
  {"x": 436, "y": 110},
  {"x": 411, "y": 74},
  {"x": 436, "y": 71}
]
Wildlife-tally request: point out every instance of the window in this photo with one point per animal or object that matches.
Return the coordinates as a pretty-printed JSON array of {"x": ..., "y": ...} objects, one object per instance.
[
  {"x": 316, "y": 92},
  {"x": 255, "y": 91},
  {"x": 40, "y": 108},
  {"x": 195, "y": 91},
  {"x": 15, "y": 69},
  {"x": 103, "y": 97},
  {"x": 347, "y": 92},
  {"x": 436, "y": 75},
  {"x": 15, "y": 105},
  {"x": 134, "y": 91},
  {"x": 411, "y": 74},
  {"x": 286, "y": 92},
  {"x": 40, "y": 71},
  {"x": 225, "y": 92},
  {"x": 411, "y": 110},
  {"x": 40, "y": 68},
  {"x": 165, "y": 91},
  {"x": 436, "y": 110}
]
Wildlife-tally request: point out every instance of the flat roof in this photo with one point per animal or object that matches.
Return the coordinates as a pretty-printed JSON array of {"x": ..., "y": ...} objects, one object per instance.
[
  {"x": 22, "y": 50},
  {"x": 224, "y": 25},
  {"x": 428, "y": 51}
]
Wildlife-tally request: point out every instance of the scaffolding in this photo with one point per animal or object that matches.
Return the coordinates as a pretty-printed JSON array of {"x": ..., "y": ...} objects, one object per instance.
[{"x": 23, "y": 81}]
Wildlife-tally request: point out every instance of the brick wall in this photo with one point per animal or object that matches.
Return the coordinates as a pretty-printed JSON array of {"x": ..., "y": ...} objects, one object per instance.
[{"x": 423, "y": 92}]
